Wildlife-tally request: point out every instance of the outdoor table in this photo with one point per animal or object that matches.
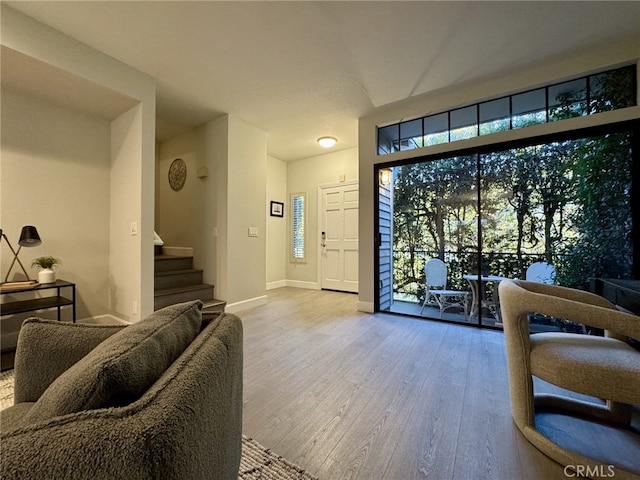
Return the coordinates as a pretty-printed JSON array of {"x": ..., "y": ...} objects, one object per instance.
[{"x": 478, "y": 284}]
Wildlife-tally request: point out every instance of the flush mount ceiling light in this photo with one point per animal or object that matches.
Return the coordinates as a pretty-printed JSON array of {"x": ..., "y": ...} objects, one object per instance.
[{"x": 327, "y": 142}]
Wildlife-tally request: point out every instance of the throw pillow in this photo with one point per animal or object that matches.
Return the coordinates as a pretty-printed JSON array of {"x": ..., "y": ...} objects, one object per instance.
[{"x": 121, "y": 368}]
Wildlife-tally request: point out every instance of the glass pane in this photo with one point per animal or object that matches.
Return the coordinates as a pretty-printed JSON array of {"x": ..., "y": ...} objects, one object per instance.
[
  {"x": 463, "y": 133},
  {"x": 411, "y": 134},
  {"x": 436, "y": 123},
  {"x": 528, "y": 102},
  {"x": 494, "y": 110},
  {"x": 298, "y": 226},
  {"x": 434, "y": 216},
  {"x": 568, "y": 99},
  {"x": 464, "y": 117},
  {"x": 612, "y": 90},
  {"x": 494, "y": 116},
  {"x": 388, "y": 139},
  {"x": 527, "y": 119},
  {"x": 436, "y": 129},
  {"x": 495, "y": 126},
  {"x": 566, "y": 204},
  {"x": 528, "y": 108},
  {"x": 464, "y": 123}
]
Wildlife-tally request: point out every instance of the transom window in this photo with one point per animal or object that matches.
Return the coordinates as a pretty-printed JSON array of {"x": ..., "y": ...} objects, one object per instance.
[{"x": 610, "y": 90}]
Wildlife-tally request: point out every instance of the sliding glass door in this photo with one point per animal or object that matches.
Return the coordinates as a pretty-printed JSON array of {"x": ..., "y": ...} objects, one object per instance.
[{"x": 564, "y": 204}]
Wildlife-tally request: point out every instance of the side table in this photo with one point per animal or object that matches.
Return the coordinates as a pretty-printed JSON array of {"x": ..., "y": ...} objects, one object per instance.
[
  {"x": 57, "y": 301},
  {"x": 52, "y": 301}
]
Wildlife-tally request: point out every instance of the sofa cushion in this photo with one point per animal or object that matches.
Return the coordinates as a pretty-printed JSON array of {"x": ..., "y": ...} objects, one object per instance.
[
  {"x": 121, "y": 368},
  {"x": 614, "y": 364},
  {"x": 47, "y": 348}
]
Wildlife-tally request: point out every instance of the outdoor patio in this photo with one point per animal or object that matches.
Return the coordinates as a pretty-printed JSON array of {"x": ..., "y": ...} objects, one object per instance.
[{"x": 406, "y": 307}]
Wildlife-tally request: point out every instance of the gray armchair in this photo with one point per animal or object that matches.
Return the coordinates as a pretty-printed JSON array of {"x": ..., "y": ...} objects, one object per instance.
[{"x": 606, "y": 368}]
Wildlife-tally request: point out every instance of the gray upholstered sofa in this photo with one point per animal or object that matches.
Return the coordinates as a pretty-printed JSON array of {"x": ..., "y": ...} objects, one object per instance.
[{"x": 158, "y": 399}]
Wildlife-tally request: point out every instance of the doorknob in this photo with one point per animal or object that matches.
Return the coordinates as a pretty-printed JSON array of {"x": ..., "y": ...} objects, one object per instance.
[{"x": 323, "y": 238}]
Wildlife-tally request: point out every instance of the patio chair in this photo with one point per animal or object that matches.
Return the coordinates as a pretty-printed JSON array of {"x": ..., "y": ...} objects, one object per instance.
[
  {"x": 606, "y": 368},
  {"x": 435, "y": 271},
  {"x": 542, "y": 272}
]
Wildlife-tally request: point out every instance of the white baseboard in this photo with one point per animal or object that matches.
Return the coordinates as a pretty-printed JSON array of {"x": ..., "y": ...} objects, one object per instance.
[
  {"x": 278, "y": 284},
  {"x": 178, "y": 251},
  {"x": 293, "y": 283},
  {"x": 107, "y": 319},
  {"x": 246, "y": 304},
  {"x": 301, "y": 284},
  {"x": 366, "y": 307}
]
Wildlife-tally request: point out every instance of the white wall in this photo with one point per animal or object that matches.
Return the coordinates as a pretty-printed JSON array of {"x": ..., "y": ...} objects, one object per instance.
[
  {"x": 132, "y": 279},
  {"x": 304, "y": 176},
  {"x": 125, "y": 268},
  {"x": 215, "y": 141},
  {"x": 56, "y": 176},
  {"x": 276, "y": 226},
  {"x": 246, "y": 195},
  {"x": 181, "y": 213},
  {"x": 605, "y": 56}
]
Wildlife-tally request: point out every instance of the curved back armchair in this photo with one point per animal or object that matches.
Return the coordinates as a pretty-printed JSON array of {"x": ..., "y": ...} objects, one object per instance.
[{"x": 607, "y": 368}]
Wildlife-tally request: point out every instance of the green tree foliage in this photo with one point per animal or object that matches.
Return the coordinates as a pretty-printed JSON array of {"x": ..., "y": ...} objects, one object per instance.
[
  {"x": 566, "y": 203},
  {"x": 433, "y": 203},
  {"x": 602, "y": 219}
]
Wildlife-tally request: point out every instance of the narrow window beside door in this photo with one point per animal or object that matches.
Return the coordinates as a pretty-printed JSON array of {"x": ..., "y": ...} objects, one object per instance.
[{"x": 298, "y": 226}]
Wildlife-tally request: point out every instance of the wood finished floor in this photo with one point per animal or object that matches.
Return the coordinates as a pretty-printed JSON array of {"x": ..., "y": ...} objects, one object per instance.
[{"x": 346, "y": 394}]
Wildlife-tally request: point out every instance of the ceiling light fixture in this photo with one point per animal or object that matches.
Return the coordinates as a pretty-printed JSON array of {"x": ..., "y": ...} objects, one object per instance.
[{"x": 327, "y": 142}]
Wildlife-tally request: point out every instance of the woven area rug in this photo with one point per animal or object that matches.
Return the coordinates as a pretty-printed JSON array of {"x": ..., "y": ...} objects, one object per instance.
[{"x": 257, "y": 462}]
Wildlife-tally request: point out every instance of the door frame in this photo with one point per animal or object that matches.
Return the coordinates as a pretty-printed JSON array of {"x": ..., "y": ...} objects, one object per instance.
[{"x": 321, "y": 187}]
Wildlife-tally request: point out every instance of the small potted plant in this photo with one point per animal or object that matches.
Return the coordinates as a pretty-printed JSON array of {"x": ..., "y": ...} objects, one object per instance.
[{"x": 46, "y": 265}]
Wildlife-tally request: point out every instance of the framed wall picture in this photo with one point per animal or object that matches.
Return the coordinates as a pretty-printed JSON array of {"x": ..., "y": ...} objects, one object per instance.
[{"x": 277, "y": 209}]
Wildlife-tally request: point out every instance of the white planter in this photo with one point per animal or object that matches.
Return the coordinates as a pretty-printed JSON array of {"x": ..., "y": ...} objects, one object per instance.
[{"x": 46, "y": 275}]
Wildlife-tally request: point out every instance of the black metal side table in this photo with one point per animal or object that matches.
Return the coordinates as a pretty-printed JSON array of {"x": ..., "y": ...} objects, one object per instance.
[{"x": 52, "y": 301}]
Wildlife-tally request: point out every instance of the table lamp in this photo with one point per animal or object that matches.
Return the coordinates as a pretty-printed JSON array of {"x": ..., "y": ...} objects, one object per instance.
[{"x": 28, "y": 238}]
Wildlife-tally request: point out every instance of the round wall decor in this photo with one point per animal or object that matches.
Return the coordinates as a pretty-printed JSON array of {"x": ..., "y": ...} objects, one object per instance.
[{"x": 177, "y": 174}]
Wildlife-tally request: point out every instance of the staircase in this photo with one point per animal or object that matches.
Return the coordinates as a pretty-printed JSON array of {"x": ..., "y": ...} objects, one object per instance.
[{"x": 177, "y": 281}]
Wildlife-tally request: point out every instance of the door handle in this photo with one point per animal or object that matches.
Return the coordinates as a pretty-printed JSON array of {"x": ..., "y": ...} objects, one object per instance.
[{"x": 323, "y": 237}]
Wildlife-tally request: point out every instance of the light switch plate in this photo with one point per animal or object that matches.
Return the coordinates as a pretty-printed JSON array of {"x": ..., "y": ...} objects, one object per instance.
[{"x": 253, "y": 231}]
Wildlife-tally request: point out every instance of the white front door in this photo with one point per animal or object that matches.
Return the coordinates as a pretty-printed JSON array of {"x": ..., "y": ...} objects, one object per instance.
[{"x": 339, "y": 237}]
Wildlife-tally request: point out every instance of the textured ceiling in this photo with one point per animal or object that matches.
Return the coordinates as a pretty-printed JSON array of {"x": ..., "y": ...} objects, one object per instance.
[{"x": 300, "y": 70}]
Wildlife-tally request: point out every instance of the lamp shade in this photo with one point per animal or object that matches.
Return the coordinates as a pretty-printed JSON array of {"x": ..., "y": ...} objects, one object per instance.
[{"x": 29, "y": 237}]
